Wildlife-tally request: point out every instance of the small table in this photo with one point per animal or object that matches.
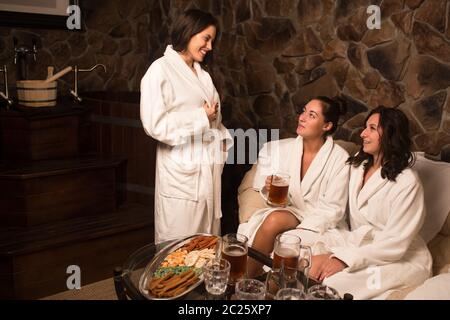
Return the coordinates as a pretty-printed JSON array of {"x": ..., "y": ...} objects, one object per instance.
[{"x": 126, "y": 278}]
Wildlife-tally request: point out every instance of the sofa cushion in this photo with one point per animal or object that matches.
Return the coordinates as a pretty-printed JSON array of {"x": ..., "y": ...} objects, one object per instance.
[
  {"x": 445, "y": 231},
  {"x": 435, "y": 178},
  {"x": 440, "y": 250},
  {"x": 249, "y": 199},
  {"x": 400, "y": 294},
  {"x": 436, "y": 288}
]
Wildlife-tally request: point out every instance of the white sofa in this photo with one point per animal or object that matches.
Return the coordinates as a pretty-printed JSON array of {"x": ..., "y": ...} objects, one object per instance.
[{"x": 435, "y": 177}]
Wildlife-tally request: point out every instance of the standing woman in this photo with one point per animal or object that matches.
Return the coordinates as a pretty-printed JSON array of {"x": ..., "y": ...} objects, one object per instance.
[
  {"x": 383, "y": 249},
  {"x": 180, "y": 108}
]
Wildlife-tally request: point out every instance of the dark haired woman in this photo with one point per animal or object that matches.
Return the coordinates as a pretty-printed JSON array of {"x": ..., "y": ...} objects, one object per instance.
[
  {"x": 318, "y": 179},
  {"x": 383, "y": 249},
  {"x": 180, "y": 108}
]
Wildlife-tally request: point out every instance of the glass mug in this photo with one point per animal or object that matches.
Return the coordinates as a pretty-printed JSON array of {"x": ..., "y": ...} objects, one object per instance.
[
  {"x": 286, "y": 251},
  {"x": 274, "y": 282},
  {"x": 279, "y": 190},
  {"x": 304, "y": 264},
  {"x": 289, "y": 254},
  {"x": 235, "y": 251}
]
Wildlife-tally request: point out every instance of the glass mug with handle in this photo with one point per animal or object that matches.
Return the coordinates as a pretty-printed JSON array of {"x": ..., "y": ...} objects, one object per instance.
[
  {"x": 286, "y": 253},
  {"x": 278, "y": 190},
  {"x": 304, "y": 264},
  {"x": 290, "y": 255},
  {"x": 286, "y": 250},
  {"x": 234, "y": 249},
  {"x": 274, "y": 282}
]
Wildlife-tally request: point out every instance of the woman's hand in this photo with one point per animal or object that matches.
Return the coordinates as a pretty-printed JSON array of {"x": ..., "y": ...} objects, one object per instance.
[
  {"x": 317, "y": 263},
  {"x": 322, "y": 266},
  {"x": 211, "y": 111}
]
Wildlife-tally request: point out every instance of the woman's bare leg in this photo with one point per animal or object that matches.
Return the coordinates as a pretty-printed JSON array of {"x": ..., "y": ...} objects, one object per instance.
[{"x": 276, "y": 222}]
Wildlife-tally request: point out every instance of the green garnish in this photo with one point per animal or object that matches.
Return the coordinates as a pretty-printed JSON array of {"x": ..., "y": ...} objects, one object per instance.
[{"x": 162, "y": 271}]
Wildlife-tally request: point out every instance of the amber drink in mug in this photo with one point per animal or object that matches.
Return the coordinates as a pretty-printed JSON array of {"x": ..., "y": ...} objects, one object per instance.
[
  {"x": 234, "y": 249},
  {"x": 279, "y": 190},
  {"x": 286, "y": 251}
]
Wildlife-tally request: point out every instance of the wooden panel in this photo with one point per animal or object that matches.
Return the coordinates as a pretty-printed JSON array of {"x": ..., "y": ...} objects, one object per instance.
[
  {"x": 36, "y": 196},
  {"x": 106, "y": 130},
  {"x": 38, "y": 139},
  {"x": 34, "y": 261},
  {"x": 119, "y": 131},
  {"x": 45, "y": 209},
  {"x": 95, "y": 259},
  {"x": 6, "y": 277},
  {"x": 70, "y": 181}
]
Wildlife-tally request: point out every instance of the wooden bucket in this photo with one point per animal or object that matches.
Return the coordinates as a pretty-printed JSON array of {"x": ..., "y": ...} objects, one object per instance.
[{"x": 37, "y": 93}]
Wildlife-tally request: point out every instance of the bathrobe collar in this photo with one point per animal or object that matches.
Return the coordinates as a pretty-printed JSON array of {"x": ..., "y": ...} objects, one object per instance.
[
  {"x": 198, "y": 83},
  {"x": 363, "y": 194},
  {"x": 314, "y": 171}
]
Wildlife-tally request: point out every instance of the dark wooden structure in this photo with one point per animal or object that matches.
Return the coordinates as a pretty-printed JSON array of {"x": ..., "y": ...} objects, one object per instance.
[{"x": 75, "y": 189}]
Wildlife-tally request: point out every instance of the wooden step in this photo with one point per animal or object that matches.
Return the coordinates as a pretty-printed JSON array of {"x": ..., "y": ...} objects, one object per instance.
[
  {"x": 34, "y": 260},
  {"x": 52, "y": 190},
  {"x": 41, "y": 133}
]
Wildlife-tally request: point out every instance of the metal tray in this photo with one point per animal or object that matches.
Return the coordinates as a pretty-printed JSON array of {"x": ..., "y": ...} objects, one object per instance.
[{"x": 156, "y": 261}]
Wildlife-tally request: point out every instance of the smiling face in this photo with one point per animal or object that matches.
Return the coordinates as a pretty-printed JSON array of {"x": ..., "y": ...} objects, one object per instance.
[
  {"x": 200, "y": 44},
  {"x": 311, "y": 122},
  {"x": 371, "y": 135}
]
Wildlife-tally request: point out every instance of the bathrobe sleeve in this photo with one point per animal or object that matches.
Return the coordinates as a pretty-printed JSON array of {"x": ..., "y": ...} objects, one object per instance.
[
  {"x": 159, "y": 119},
  {"x": 389, "y": 245},
  {"x": 332, "y": 203},
  {"x": 265, "y": 165}
]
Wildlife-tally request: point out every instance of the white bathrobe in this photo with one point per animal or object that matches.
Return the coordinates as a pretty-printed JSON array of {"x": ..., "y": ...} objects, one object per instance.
[
  {"x": 189, "y": 158},
  {"x": 319, "y": 200},
  {"x": 383, "y": 250}
]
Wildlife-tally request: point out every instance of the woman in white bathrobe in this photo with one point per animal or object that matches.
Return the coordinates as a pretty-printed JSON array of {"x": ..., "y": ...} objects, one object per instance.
[
  {"x": 318, "y": 184},
  {"x": 180, "y": 108},
  {"x": 383, "y": 249}
]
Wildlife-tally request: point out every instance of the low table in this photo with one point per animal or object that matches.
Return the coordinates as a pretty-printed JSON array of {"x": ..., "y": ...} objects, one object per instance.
[{"x": 126, "y": 278}]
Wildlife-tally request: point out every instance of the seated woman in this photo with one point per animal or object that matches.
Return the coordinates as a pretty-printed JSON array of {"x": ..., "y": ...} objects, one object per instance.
[
  {"x": 383, "y": 249},
  {"x": 319, "y": 179}
]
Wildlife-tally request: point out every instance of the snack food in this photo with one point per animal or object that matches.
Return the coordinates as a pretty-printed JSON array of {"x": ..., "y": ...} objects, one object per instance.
[
  {"x": 201, "y": 242},
  {"x": 181, "y": 269},
  {"x": 171, "y": 284}
]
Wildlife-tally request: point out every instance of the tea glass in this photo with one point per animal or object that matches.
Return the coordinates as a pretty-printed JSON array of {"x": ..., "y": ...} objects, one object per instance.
[{"x": 216, "y": 273}]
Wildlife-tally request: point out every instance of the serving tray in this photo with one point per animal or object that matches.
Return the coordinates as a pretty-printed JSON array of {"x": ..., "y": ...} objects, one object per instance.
[{"x": 153, "y": 265}]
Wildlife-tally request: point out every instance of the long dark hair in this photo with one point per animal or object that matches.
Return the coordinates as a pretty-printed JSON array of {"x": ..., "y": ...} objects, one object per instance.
[
  {"x": 395, "y": 144},
  {"x": 190, "y": 23},
  {"x": 332, "y": 110}
]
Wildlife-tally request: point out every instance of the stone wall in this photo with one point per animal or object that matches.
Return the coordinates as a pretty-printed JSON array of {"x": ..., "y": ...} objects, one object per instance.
[
  {"x": 114, "y": 33},
  {"x": 273, "y": 56}
]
